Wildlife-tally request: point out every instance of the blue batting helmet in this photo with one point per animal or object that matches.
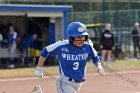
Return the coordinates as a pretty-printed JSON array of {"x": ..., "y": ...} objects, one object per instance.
[{"x": 77, "y": 29}]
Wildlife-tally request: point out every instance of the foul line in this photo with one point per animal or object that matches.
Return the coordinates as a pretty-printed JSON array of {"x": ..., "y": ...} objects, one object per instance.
[{"x": 31, "y": 78}]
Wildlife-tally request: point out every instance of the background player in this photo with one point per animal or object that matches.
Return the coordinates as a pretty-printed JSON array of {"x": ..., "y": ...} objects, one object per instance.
[
  {"x": 72, "y": 54},
  {"x": 107, "y": 44},
  {"x": 136, "y": 38},
  {"x": 12, "y": 45}
]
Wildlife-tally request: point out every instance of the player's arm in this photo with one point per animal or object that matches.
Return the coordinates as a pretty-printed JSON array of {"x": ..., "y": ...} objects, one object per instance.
[
  {"x": 48, "y": 50},
  {"x": 38, "y": 70},
  {"x": 113, "y": 41},
  {"x": 100, "y": 69},
  {"x": 41, "y": 61},
  {"x": 42, "y": 57},
  {"x": 96, "y": 60},
  {"x": 101, "y": 40}
]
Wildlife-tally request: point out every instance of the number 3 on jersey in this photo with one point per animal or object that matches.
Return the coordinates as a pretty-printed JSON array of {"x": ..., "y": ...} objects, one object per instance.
[{"x": 75, "y": 65}]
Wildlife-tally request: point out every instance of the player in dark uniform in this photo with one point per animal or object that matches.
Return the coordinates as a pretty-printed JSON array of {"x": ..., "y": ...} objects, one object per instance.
[
  {"x": 136, "y": 38},
  {"x": 72, "y": 54},
  {"x": 106, "y": 44}
]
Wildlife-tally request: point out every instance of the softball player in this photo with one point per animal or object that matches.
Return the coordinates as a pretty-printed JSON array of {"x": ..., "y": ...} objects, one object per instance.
[
  {"x": 107, "y": 44},
  {"x": 12, "y": 35},
  {"x": 72, "y": 54}
]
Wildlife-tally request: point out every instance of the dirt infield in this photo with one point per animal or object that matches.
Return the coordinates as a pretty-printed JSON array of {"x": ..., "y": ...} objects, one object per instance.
[{"x": 110, "y": 83}]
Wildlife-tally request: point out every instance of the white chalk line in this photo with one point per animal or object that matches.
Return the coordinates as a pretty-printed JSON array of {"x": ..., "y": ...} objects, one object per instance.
[{"x": 31, "y": 78}]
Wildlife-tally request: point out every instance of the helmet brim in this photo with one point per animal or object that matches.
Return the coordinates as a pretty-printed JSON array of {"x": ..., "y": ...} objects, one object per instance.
[{"x": 83, "y": 34}]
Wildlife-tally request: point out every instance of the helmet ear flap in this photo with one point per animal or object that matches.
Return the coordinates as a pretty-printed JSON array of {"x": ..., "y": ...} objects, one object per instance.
[
  {"x": 86, "y": 37},
  {"x": 71, "y": 39}
]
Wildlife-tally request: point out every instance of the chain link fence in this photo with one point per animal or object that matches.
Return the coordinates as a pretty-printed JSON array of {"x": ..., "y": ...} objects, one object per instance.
[
  {"x": 122, "y": 24},
  {"x": 122, "y": 14}
]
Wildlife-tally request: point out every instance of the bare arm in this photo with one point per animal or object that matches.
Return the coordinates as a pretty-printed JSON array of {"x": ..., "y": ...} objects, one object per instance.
[
  {"x": 41, "y": 61},
  {"x": 38, "y": 70}
]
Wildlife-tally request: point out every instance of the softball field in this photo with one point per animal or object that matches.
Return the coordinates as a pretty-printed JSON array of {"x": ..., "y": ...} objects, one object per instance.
[{"x": 113, "y": 82}]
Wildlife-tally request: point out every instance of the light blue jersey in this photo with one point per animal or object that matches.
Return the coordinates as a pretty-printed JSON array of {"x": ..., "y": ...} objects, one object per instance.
[{"x": 72, "y": 59}]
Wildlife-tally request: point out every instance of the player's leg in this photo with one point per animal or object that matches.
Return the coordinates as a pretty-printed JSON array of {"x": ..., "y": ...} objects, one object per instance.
[
  {"x": 139, "y": 47},
  {"x": 11, "y": 50},
  {"x": 135, "y": 48},
  {"x": 109, "y": 53},
  {"x": 63, "y": 87},
  {"x": 77, "y": 87},
  {"x": 103, "y": 54}
]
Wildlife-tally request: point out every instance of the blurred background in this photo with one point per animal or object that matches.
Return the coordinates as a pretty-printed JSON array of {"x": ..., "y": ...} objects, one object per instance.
[{"x": 121, "y": 14}]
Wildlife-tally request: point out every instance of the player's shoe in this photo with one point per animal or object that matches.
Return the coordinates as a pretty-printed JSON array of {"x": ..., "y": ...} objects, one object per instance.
[{"x": 37, "y": 89}]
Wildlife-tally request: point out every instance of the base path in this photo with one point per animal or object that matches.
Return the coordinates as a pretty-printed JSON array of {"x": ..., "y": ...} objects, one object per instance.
[{"x": 110, "y": 83}]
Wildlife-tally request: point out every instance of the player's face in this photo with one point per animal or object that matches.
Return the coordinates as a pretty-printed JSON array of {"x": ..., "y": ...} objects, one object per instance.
[
  {"x": 79, "y": 41},
  {"x": 108, "y": 27}
]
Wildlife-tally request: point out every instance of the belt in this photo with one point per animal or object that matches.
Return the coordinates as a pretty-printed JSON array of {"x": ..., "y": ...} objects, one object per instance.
[{"x": 76, "y": 81}]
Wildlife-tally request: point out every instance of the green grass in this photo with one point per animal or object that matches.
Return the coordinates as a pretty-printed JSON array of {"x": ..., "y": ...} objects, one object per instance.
[{"x": 119, "y": 65}]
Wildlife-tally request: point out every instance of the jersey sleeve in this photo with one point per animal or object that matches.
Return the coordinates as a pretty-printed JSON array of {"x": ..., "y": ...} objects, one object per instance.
[
  {"x": 44, "y": 53},
  {"x": 93, "y": 54},
  {"x": 102, "y": 39},
  {"x": 52, "y": 49},
  {"x": 113, "y": 40}
]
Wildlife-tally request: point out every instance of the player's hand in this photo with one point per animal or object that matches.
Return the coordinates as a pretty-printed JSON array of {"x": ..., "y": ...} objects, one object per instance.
[
  {"x": 38, "y": 72},
  {"x": 100, "y": 70}
]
